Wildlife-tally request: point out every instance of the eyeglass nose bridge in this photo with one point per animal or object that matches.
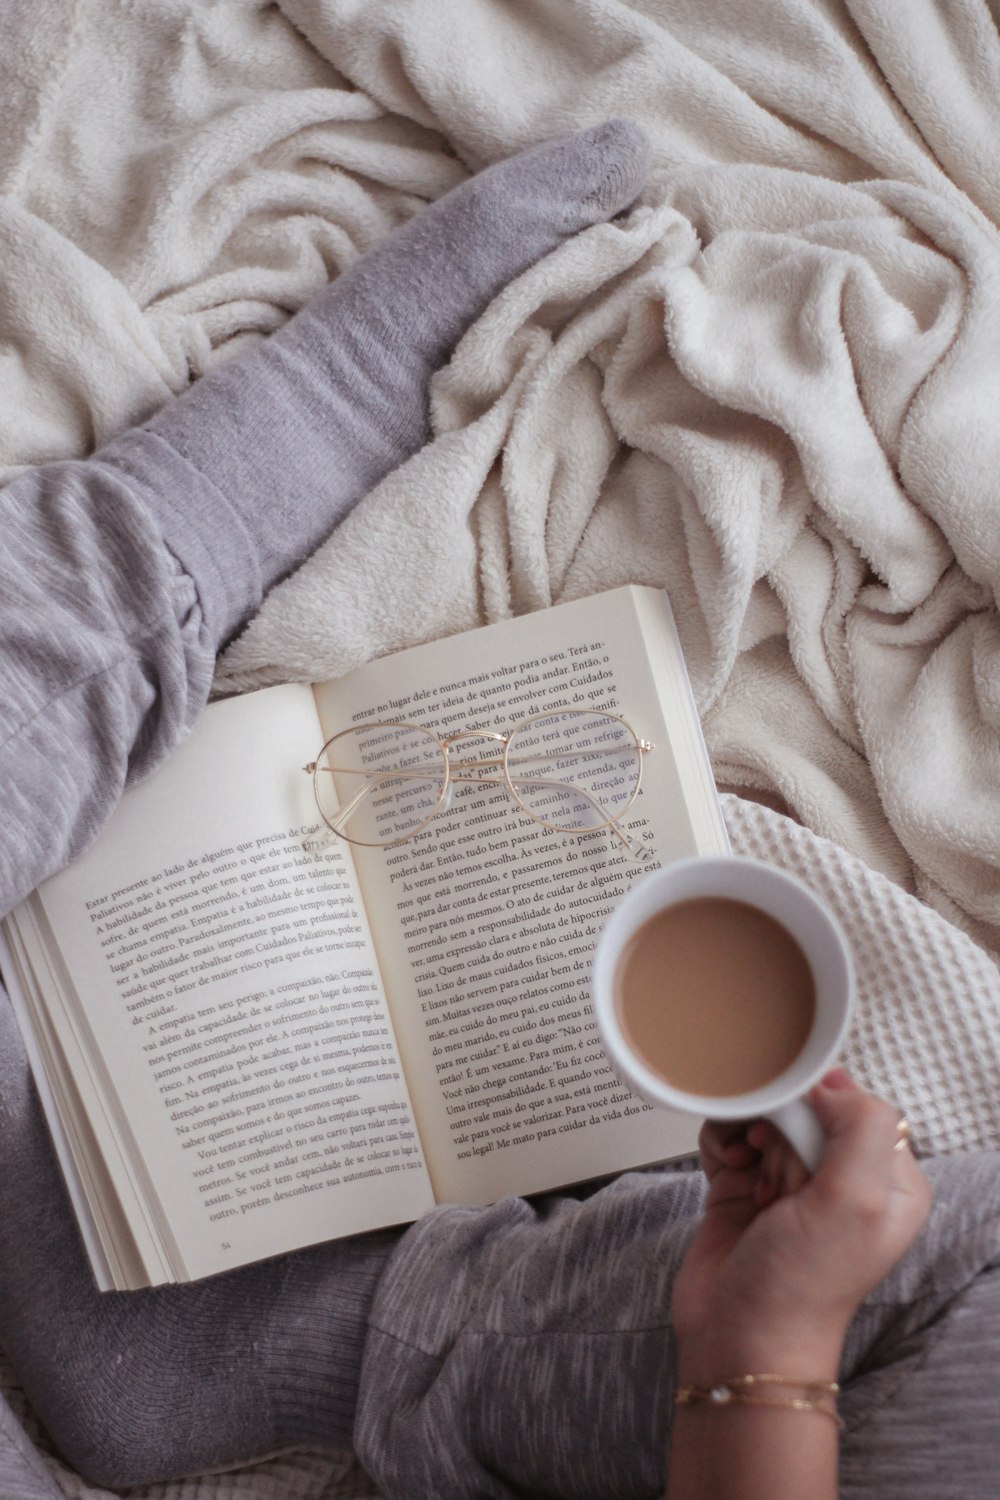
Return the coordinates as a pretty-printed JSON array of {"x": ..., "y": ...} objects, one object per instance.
[{"x": 475, "y": 734}]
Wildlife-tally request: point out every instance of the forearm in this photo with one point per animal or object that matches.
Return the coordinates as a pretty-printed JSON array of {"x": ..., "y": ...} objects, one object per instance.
[
  {"x": 752, "y": 1453},
  {"x": 755, "y": 1446}
]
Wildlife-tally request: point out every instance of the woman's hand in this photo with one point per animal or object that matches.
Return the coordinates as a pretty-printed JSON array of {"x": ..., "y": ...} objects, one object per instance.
[{"x": 782, "y": 1260}]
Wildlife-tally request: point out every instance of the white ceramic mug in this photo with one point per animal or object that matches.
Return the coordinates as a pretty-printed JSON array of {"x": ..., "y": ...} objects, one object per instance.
[{"x": 801, "y": 913}]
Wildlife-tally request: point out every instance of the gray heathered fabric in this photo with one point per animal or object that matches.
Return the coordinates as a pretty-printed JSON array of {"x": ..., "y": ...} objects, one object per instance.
[
  {"x": 157, "y": 1384},
  {"x": 106, "y": 660},
  {"x": 108, "y": 646},
  {"x": 525, "y": 1350},
  {"x": 23, "y": 1476}
]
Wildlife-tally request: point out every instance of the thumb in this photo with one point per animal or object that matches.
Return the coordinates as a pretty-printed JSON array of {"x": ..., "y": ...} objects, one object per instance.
[{"x": 860, "y": 1131}]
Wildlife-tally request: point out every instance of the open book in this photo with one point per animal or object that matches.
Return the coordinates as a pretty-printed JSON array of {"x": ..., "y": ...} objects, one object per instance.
[{"x": 244, "y": 1048}]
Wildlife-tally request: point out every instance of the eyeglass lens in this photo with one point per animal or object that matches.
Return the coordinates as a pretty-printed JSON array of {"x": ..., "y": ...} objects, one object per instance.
[
  {"x": 380, "y": 783},
  {"x": 575, "y": 770}
]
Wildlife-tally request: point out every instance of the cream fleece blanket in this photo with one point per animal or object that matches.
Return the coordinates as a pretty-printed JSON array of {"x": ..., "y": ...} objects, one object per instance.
[{"x": 772, "y": 388}]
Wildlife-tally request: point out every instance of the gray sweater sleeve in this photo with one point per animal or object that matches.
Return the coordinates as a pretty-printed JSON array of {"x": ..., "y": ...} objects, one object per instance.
[{"x": 109, "y": 646}]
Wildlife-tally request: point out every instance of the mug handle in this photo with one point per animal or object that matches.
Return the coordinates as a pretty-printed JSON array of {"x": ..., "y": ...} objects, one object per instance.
[{"x": 800, "y": 1126}]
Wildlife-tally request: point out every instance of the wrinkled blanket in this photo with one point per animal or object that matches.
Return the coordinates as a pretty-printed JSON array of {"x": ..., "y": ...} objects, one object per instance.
[{"x": 771, "y": 388}]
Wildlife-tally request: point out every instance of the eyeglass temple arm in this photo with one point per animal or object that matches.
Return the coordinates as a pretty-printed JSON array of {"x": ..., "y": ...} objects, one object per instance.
[
  {"x": 323, "y": 839},
  {"x": 638, "y": 850},
  {"x": 635, "y": 847}
]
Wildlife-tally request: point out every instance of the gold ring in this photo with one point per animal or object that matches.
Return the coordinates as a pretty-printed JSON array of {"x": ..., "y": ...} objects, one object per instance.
[{"x": 903, "y": 1131}]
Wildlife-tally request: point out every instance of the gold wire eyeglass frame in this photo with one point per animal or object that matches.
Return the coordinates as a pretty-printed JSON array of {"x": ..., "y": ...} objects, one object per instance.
[{"x": 492, "y": 771}]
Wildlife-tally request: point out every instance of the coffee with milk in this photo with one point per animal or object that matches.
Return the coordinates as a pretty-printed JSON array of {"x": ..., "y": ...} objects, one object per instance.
[{"x": 715, "y": 995}]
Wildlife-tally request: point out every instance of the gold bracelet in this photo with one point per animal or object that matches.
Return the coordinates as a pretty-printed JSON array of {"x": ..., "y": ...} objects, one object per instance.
[{"x": 736, "y": 1391}]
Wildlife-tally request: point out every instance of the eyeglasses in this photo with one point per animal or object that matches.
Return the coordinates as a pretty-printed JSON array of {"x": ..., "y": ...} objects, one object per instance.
[{"x": 572, "y": 770}]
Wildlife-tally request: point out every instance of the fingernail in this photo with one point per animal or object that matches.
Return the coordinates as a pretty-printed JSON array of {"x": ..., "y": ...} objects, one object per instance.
[{"x": 837, "y": 1078}]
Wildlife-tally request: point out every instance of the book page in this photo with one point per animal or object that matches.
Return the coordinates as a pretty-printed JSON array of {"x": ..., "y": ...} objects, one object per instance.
[
  {"x": 488, "y": 972},
  {"x": 231, "y": 1025}
]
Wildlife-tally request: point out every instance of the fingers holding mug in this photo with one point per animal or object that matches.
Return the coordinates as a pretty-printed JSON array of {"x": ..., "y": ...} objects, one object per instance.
[
  {"x": 725, "y": 1144},
  {"x": 782, "y": 1168}
]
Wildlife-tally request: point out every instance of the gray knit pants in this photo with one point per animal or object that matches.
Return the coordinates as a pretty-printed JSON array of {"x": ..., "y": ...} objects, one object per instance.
[{"x": 526, "y": 1349}]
